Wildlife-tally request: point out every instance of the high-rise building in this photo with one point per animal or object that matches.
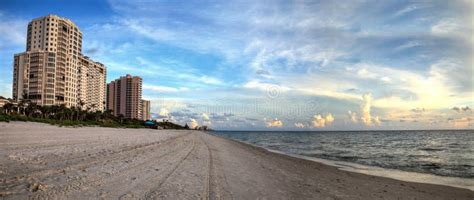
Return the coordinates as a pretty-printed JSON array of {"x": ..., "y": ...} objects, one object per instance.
[
  {"x": 146, "y": 110},
  {"x": 91, "y": 84},
  {"x": 124, "y": 96},
  {"x": 53, "y": 70}
]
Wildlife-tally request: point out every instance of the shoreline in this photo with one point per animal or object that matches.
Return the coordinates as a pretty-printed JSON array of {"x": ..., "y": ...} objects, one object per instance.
[
  {"x": 414, "y": 177},
  {"x": 407, "y": 176},
  {"x": 43, "y": 162}
]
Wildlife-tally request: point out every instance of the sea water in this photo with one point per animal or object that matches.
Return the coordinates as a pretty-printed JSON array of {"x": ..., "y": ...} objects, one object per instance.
[{"x": 447, "y": 155}]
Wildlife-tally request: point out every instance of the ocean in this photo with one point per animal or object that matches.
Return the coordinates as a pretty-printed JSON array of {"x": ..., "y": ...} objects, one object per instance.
[{"x": 443, "y": 153}]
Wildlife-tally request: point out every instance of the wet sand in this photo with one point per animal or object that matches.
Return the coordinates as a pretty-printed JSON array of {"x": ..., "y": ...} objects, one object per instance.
[{"x": 40, "y": 161}]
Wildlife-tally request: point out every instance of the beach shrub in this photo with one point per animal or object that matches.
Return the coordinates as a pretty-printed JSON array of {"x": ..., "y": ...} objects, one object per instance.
[
  {"x": 4, "y": 118},
  {"x": 135, "y": 126},
  {"x": 109, "y": 123}
]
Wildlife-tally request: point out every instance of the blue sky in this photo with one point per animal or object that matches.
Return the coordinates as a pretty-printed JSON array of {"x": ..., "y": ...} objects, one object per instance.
[{"x": 277, "y": 65}]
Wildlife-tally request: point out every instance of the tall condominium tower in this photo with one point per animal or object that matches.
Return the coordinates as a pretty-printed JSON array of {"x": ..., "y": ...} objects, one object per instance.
[
  {"x": 146, "y": 115},
  {"x": 91, "y": 84},
  {"x": 124, "y": 96},
  {"x": 53, "y": 71}
]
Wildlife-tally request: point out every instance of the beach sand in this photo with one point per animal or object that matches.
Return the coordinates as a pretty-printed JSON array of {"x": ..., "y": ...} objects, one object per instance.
[{"x": 40, "y": 161}]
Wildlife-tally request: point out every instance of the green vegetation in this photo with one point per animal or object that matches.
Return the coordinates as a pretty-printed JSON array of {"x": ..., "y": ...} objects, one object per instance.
[
  {"x": 75, "y": 116},
  {"x": 91, "y": 119},
  {"x": 169, "y": 125}
]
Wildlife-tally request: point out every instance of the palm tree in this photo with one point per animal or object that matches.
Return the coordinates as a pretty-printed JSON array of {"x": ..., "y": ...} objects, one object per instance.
[
  {"x": 97, "y": 115},
  {"x": 81, "y": 104},
  {"x": 61, "y": 111},
  {"x": 74, "y": 112},
  {"x": 107, "y": 114},
  {"x": 23, "y": 103},
  {"x": 45, "y": 111},
  {"x": 69, "y": 113},
  {"x": 32, "y": 108},
  {"x": 121, "y": 117},
  {"x": 8, "y": 107}
]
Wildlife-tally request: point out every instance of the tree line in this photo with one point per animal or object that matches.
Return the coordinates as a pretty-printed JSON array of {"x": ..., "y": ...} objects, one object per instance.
[{"x": 80, "y": 115}]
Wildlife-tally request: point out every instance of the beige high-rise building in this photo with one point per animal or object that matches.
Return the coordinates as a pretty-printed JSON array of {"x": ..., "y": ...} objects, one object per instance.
[
  {"x": 146, "y": 110},
  {"x": 53, "y": 71},
  {"x": 91, "y": 84},
  {"x": 124, "y": 96}
]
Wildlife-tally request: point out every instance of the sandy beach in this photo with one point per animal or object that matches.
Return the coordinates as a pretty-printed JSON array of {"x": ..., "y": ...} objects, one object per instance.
[{"x": 40, "y": 161}]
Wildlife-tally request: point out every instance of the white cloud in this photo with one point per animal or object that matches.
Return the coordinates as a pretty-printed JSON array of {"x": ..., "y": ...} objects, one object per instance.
[
  {"x": 164, "y": 112},
  {"x": 177, "y": 70},
  {"x": 13, "y": 31},
  {"x": 352, "y": 116},
  {"x": 409, "y": 8},
  {"x": 161, "y": 89},
  {"x": 275, "y": 123},
  {"x": 299, "y": 125},
  {"x": 408, "y": 45},
  {"x": 206, "y": 120},
  {"x": 386, "y": 79},
  {"x": 320, "y": 121},
  {"x": 365, "y": 109},
  {"x": 377, "y": 121},
  {"x": 446, "y": 83},
  {"x": 450, "y": 27},
  {"x": 210, "y": 80},
  {"x": 292, "y": 47},
  {"x": 364, "y": 73},
  {"x": 203, "y": 39},
  {"x": 464, "y": 122},
  {"x": 329, "y": 118},
  {"x": 272, "y": 90},
  {"x": 205, "y": 117},
  {"x": 193, "y": 123}
]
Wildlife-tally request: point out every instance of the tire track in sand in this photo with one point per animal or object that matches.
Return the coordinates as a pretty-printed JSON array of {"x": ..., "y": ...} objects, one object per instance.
[
  {"x": 100, "y": 179},
  {"x": 95, "y": 161},
  {"x": 214, "y": 184},
  {"x": 152, "y": 194},
  {"x": 86, "y": 160}
]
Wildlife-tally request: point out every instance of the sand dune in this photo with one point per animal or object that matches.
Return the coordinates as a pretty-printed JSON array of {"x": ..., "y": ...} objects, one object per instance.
[{"x": 40, "y": 161}]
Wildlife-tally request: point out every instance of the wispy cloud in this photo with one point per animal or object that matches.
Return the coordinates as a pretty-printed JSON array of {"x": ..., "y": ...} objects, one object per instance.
[
  {"x": 258, "y": 60},
  {"x": 13, "y": 31},
  {"x": 163, "y": 89}
]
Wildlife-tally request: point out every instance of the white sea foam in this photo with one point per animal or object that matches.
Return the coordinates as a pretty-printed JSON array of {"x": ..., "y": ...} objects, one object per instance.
[{"x": 390, "y": 173}]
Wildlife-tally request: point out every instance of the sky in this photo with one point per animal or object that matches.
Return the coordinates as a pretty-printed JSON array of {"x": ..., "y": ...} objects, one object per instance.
[{"x": 276, "y": 65}]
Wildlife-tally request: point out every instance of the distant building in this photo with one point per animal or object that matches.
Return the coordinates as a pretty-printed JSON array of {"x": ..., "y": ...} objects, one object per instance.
[
  {"x": 53, "y": 70},
  {"x": 3, "y": 102},
  {"x": 146, "y": 110},
  {"x": 124, "y": 96}
]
